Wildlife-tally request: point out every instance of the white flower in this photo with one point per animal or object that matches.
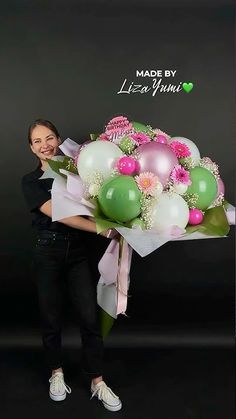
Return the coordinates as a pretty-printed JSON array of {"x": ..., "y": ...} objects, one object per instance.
[{"x": 94, "y": 189}]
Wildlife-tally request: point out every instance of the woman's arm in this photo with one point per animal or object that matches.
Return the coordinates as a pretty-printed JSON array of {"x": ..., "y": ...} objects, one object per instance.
[{"x": 76, "y": 221}]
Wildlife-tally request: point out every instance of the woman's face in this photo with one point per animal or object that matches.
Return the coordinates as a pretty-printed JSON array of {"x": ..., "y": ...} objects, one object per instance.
[{"x": 44, "y": 142}]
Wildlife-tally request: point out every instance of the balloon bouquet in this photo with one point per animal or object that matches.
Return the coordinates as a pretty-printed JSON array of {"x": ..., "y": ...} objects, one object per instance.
[{"x": 147, "y": 185}]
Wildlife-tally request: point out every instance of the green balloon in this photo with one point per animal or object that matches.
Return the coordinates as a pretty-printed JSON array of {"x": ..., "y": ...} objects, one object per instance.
[
  {"x": 119, "y": 198},
  {"x": 139, "y": 127},
  {"x": 204, "y": 184}
]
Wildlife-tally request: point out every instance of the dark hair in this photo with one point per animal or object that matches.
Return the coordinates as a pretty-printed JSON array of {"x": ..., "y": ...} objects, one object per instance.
[{"x": 45, "y": 123}]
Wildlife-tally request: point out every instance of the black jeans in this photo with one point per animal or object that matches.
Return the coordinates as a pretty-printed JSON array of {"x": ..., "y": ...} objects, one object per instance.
[{"x": 60, "y": 261}]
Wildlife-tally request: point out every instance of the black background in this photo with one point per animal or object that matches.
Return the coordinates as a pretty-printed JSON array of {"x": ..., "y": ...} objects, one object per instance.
[{"x": 65, "y": 61}]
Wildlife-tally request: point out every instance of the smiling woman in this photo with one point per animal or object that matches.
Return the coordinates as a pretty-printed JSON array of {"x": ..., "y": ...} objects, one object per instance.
[
  {"x": 60, "y": 260},
  {"x": 44, "y": 140}
]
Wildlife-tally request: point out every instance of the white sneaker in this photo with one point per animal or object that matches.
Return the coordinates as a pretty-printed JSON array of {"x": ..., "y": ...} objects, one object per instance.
[
  {"x": 58, "y": 388},
  {"x": 105, "y": 394}
]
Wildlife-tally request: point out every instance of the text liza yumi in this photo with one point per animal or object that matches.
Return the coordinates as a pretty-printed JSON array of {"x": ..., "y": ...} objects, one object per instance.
[{"x": 155, "y": 87}]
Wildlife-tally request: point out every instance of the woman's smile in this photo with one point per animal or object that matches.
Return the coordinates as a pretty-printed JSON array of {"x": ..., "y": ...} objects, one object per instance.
[
  {"x": 48, "y": 152},
  {"x": 44, "y": 143}
]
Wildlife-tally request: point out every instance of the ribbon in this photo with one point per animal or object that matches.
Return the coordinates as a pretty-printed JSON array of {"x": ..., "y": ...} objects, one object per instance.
[
  {"x": 106, "y": 287},
  {"x": 109, "y": 264},
  {"x": 125, "y": 257},
  {"x": 113, "y": 285},
  {"x": 230, "y": 214}
]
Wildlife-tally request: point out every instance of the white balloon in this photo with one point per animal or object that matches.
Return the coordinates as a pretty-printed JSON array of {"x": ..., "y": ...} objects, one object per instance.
[
  {"x": 170, "y": 210},
  {"x": 98, "y": 157},
  {"x": 180, "y": 188},
  {"x": 195, "y": 154}
]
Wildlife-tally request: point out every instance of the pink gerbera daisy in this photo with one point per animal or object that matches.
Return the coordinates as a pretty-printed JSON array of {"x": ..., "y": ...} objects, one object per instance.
[
  {"x": 140, "y": 138},
  {"x": 180, "y": 149},
  {"x": 180, "y": 175},
  {"x": 147, "y": 182}
]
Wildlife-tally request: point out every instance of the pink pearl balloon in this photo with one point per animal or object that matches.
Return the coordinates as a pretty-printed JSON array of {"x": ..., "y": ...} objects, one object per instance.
[
  {"x": 161, "y": 139},
  {"x": 156, "y": 158},
  {"x": 126, "y": 165},
  {"x": 195, "y": 216},
  {"x": 221, "y": 187}
]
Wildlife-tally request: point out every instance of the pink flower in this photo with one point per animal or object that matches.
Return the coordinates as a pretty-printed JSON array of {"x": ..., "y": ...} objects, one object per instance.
[
  {"x": 180, "y": 175},
  {"x": 147, "y": 183},
  {"x": 180, "y": 149},
  {"x": 103, "y": 137},
  {"x": 140, "y": 138}
]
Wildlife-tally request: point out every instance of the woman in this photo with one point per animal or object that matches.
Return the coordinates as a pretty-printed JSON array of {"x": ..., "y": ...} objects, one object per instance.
[{"x": 60, "y": 260}]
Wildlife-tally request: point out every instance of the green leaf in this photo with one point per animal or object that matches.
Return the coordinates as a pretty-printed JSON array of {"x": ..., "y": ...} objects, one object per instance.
[
  {"x": 225, "y": 204},
  {"x": 55, "y": 165},
  {"x": 97, "y": 212},
  {"x": 94, "y": 137},
  {"x": 66, "y": 164},
  {"x": 215, "y": 223},
  {"x": 102, "y": 224},
  {"x": 106, "y": 323}
]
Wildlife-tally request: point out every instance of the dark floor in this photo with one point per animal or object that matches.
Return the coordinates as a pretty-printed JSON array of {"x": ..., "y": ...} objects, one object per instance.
[{"x": 190, "y": 383}]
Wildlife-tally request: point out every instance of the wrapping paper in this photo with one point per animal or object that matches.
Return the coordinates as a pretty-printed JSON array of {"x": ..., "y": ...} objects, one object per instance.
[{"x": 114, "y": 267}]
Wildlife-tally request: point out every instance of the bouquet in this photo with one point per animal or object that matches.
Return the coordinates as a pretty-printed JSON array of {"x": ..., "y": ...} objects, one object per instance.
[{"x": 147, "y": 185}]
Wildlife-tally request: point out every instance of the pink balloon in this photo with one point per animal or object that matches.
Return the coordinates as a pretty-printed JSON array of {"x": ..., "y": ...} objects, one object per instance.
[
  {"x": 195, "y": 216},
  {"x": 156, "y": 158},
  {"x": 161, "y": 139},
  {"x": 221, "y": 187},
  {"x": 126, "y": 165}
]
